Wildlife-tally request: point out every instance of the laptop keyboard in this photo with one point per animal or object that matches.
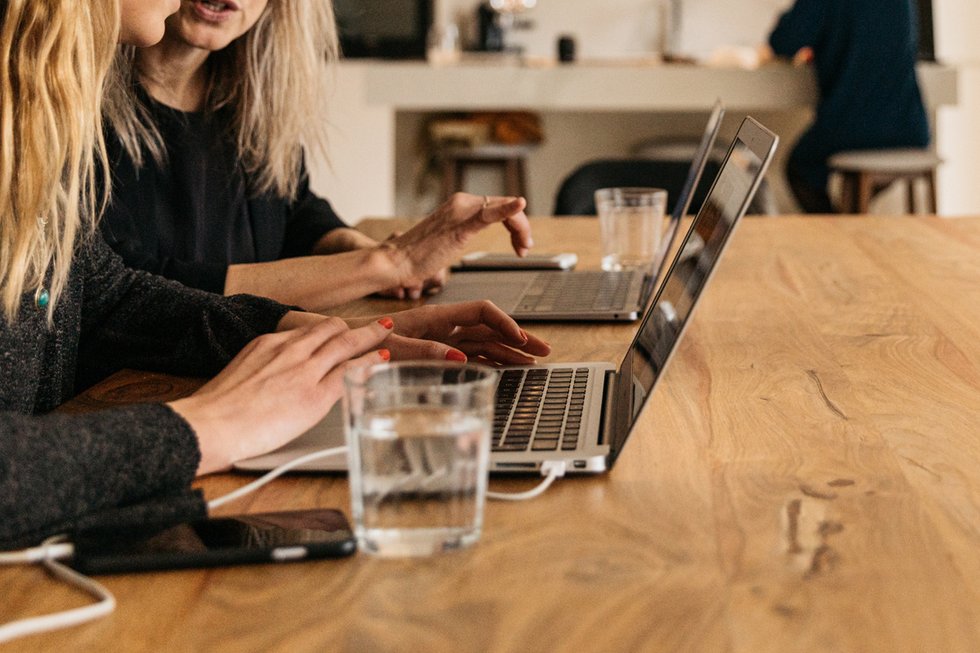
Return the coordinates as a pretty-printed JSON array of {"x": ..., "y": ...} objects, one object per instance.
[
  {"x": 539, "y": 409},
  {"x": 577, "y": 291}
]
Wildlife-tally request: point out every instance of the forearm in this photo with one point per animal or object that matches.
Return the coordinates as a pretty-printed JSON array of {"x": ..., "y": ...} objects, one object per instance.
[
  {"x": 60, "y": 468},
  {"x": 343, "y": 239},
  {"x": 318, "y": 283}
]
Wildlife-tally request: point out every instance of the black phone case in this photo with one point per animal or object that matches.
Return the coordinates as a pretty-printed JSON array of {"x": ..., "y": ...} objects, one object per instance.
[{"x": 102, "y": 555}]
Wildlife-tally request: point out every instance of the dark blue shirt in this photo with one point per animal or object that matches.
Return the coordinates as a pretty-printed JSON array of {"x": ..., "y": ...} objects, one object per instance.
[{"x": 865, "y": 55}]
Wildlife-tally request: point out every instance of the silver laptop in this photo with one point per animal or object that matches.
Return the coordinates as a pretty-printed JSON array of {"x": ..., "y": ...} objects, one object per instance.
[
  {"x": 582, "y": 413},
  {"x": 584, "y": 294}
]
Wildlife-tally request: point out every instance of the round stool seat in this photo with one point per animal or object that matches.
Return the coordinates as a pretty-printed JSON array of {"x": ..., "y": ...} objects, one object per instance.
[
  {"x": 673, "y": 149},
  {"x": 894, "y": 161},
  {"x": 866, "y": 172},
  {"x": 486, "y": 152}
]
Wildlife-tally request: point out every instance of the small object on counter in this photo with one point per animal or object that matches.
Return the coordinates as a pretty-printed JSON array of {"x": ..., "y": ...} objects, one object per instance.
[{"x": 566, "y": 48}]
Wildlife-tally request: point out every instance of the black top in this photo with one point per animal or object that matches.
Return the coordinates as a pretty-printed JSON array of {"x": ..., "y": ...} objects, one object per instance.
[
  {"x": 58, "y": 471},
  {"x": 865, "y": 56},
  {"x": 192, "y": 217}
]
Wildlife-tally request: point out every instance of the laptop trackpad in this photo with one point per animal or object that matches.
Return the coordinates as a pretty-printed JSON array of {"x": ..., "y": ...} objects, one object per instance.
[
  {"x": 327, "y": 434},
  {"x": 502, "y": 288}
]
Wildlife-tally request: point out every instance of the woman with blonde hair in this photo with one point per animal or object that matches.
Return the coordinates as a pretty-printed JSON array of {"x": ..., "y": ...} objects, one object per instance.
[
  {"x": 208, "y": 131},
  {"x": 71, "y": 309}
]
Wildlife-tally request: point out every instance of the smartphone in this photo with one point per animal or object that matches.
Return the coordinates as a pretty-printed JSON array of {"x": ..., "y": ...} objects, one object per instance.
[
  {"x": 246, "y": 539},
  {"x": 503, "y": 261}
]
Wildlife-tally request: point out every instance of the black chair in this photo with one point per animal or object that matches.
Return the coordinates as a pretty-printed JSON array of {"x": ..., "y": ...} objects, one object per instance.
[{"x": 576, "y": 193}]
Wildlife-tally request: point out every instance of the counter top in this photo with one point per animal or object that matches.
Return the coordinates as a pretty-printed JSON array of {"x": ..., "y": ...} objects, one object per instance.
[{"x": 613, "y": 86}]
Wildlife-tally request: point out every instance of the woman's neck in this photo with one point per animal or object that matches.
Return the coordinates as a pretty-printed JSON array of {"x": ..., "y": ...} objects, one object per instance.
[{"x": 175, "y": 74}]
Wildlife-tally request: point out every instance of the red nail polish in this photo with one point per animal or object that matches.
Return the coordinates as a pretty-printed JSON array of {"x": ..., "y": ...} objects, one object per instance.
[
  {"x": 384, "y": 354},
  {"x": 455, "y": 355},
  {"x": 386, "y": 322}
]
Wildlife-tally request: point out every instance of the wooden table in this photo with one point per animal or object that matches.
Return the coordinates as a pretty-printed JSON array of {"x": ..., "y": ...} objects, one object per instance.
[{"x": 806, "y": 478}]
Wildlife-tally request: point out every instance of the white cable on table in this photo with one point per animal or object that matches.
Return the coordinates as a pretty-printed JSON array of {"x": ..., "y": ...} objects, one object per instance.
[
  {"x": 274, "y": 474},
  {"x": 48, "y": 554},
  {"x": 554, "y": 470}
]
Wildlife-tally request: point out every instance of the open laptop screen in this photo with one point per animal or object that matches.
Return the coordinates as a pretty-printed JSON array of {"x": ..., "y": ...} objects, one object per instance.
[
  {"x": 683, "y": 202},
  {"x": 665, "y": 320}
]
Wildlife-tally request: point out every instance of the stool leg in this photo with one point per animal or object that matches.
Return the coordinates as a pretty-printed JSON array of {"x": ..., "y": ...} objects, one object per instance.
[
  {"x": 863, "y": 192},
  {"x": 521, "y": 178},
  {"x": 460, "y": 176},
  {"x": 848, "y": 191},
  {"x": 911, "y": 195},
  {"x": 512, "y": 177},
  {"x": 448, "y": 177},
  {"x": 931, "y": 181}
]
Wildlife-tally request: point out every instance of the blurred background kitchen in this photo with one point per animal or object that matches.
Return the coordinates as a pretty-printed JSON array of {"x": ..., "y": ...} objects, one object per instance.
[{"x": 562, "y": 82}]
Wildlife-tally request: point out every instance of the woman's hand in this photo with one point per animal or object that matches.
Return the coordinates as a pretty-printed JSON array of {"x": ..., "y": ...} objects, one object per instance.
[
  {"x": 427, "y": 286},
  {"x": 277, "y": 387},
  {"x": 468, "y": 330},
  {"x": 347, "y": 240},
  {"x": 421, "y": 254}
]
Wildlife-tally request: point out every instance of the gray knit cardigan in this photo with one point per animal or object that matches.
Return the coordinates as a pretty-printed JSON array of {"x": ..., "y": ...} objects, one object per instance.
[{"x": 59, "y": 472}]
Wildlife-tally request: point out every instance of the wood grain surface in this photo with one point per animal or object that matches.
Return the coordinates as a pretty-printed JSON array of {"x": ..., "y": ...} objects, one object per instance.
[{"x": 806, "y": 478}]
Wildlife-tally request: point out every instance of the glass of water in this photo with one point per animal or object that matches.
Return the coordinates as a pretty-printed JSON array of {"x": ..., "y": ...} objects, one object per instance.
[
  {"x": 631, "y": 225},
  {"x": 419, "y": 441}
]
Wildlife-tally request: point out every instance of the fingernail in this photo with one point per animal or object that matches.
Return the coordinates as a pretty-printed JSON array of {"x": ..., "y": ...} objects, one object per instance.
[
  {"x": 386, "y": 322},
  {"x": 384, "y": 354},
  {"x": 524, "y": 335},
  {"x": 456, "y": 355}
]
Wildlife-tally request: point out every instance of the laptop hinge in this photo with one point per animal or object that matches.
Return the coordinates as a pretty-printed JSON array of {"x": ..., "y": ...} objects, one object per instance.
[{"x": 608, "y": 396}]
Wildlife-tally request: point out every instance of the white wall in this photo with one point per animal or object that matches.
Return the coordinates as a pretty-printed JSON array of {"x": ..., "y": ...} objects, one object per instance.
[
  {"x": 618, "y": 28},
  {"x": 959, "y": 127},
  {"x": 631, "y": 28}
]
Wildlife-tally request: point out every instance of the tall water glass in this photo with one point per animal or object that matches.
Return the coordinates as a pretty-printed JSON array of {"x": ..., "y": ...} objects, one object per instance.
[{"x": 419, "y": 442}]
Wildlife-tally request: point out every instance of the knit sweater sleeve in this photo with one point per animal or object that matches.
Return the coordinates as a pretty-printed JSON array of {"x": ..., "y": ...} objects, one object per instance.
[
  {"x": 58, "y": 471},
  {"x": 133, "y": 319}
]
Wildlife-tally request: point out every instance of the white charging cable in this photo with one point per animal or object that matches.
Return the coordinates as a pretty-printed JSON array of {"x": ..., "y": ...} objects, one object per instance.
[
  {"x": 48, "y": 554},
  {"x": 553, "y": 470},
  {"x": 274, "y": 474}
]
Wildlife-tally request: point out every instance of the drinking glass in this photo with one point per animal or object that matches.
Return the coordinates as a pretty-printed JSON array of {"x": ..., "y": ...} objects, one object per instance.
[
  {"x": 419, "y": 441},
  {"x": 631, "y": 225}
]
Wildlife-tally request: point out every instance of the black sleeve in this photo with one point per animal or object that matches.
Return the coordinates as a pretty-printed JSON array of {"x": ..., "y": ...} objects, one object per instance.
[
  {"x": 132, "y": 319},
  {"x": 799, "y": 27},
  {"x": 125, "y": 240},
  {"x": 308, "y": 218},
  {"x": 60, "y": 472}
]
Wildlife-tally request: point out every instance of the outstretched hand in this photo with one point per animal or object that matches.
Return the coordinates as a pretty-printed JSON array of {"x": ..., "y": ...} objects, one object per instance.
[
  {"x": 277, "y": 387},
  {"x": 465, "y": 331},
  {"x": 422, "y": 253}
]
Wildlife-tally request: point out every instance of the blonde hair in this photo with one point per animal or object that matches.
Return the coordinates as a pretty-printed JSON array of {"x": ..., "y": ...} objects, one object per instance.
[
  {"x": 274, "y": 80},
  {"x": 55, "y": 55}
]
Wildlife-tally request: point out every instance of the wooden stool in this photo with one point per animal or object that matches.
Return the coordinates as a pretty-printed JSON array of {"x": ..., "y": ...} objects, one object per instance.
[
  {"x": 509, "y": 159},
  {"x": 865, "y": 172}
]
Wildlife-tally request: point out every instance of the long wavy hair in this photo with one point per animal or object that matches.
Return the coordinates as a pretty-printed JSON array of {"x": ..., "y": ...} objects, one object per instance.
[
  {"x": 54, "y": 55},
  {"x": 274, "y": 80}
]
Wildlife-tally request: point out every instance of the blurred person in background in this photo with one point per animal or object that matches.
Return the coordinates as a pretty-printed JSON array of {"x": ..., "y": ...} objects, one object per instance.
[{"x": 864, "y": 55}]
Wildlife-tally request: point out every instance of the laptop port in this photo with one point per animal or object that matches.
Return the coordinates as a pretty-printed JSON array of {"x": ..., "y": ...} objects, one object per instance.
[{"x": 579, "y": 464}]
